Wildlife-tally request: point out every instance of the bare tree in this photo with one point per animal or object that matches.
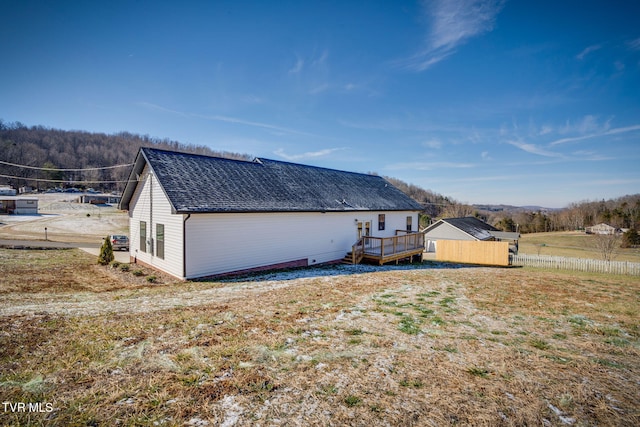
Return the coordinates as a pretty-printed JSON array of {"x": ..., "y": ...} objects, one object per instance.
[{"x": 607, "y": 245}]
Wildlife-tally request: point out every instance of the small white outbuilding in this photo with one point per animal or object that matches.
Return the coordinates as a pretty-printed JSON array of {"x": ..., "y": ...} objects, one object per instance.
[
  {"x": 18, "y": 205},
  {"x": 196, "y": 216}
]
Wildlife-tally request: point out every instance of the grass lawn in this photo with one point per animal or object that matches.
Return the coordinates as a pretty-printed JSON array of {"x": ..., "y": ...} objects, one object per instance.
[
  {"x": 345, "y": 345},
  {"x": 570, "y": 244}
]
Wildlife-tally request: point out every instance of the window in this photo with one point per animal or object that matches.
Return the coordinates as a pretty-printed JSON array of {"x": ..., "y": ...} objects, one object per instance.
[
  {"x": 381, "y": 222},
  {"x": 143, "y": 236},
  {"x": 160, "y": 240},
  {"x": 409, "y": 223}
]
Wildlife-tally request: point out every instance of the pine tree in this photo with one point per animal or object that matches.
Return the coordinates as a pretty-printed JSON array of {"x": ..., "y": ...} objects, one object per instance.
[{"x": 106, "y": 252}]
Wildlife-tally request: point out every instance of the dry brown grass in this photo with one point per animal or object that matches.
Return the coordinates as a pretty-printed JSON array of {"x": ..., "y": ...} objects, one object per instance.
[{"x": 468, "y": 346}]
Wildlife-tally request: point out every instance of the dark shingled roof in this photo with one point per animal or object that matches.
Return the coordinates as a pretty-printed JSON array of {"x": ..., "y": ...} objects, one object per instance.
[
  {"x": 473, "y": 226},
  {"x": 195, "y": 183}
]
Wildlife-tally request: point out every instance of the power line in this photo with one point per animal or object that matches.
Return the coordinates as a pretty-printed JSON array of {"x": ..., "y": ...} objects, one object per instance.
[
  {"x": 62, "y": 180},
  {"x": 65, "y": 170}
]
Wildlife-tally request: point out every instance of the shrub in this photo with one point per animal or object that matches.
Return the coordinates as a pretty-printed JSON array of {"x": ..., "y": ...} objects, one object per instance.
[
  {"x": 106, "y": 252},
  {"x": 138, "y": 273},
  {"x": 630, "y": 239},
  {"x": 125, "y": 267},
  {"x": 151, "y": 279},
  {"x": 115, "y": 264}
]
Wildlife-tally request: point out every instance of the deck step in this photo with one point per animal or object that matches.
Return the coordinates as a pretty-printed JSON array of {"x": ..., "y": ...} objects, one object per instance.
[{"x": 348, "y": 259}]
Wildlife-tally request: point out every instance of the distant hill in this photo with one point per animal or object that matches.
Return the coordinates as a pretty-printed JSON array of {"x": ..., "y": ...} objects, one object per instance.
[
  {"x": 54, "y": 149},
  {"x": 511, "y": 208}
]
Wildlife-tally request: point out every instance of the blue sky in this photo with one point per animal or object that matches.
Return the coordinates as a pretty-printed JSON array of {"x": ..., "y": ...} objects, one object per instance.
[{"x": 515, "y": 102}]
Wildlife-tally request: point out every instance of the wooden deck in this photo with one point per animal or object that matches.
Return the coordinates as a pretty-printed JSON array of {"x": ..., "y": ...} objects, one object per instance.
[{"x": 382, "y": 250}]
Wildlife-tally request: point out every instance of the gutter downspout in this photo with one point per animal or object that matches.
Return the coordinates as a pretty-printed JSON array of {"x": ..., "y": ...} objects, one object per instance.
[{"x": 184, "y": 246}]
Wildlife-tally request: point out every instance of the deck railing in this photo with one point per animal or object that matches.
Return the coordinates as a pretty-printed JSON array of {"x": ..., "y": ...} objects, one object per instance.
[
  {"x": 383, "y": 247},
  {"x": 357, "y": 251}
]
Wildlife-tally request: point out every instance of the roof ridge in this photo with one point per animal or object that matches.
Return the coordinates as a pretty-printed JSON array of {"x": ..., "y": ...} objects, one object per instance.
[
  {"x": 262, "y": 159},
  {"x": 186, "y": 153}
]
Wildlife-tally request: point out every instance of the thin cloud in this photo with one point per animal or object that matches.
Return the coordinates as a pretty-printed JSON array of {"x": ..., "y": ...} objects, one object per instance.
[
  {"x": 634, "y": 44},
  {"x": 319, "y": 89},
  {"x": 613, "y": 131},
  {"x": 297, "y": 66},
  {"x": 156, "y": 107},
  {"x": 452, "y": 23},
  {"x": 588, "y": 50},
  {"x": 308, "y": 155},
  {"x": 251, "y": 123},
  {"x": 425, "y": 166},
  {"x": 433, "y": 144},
  {"x": 533, "y": 149},
  {"x": 226, "y": 119}
]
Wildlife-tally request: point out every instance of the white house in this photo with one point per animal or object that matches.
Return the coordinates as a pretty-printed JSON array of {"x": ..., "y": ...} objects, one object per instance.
[
  {"x": 18, "y": 205},
  {"x": 601, "y": 228},
  {"x": 196, "y": 216}
]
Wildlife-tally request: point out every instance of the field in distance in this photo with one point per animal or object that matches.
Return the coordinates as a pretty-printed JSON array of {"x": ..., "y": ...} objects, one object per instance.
[
  {"x": 347, "y": 345},
  {"x": 575, "y": 244}
]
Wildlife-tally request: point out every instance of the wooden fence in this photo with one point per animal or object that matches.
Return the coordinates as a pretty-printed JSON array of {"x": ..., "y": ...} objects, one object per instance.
[
  {"x": 576, "y": 264},
  {"x": 473, "y": 252}
]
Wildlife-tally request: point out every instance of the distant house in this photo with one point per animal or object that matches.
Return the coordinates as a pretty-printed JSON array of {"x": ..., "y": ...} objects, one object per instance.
[
  {"x": 466, "y": 228},
  {"x": 99, "y": 199},
  {"x": 6, "y": 190},
  {"x": 195, "y": 216},
  {"x": 18, "y": 205},
  {"x": 602, "y": 228}
]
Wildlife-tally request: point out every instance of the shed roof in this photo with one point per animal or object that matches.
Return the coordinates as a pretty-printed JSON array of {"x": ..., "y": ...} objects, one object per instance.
[
  {"x": 471, "y": 225},
  {"x": 196, "y": 183}
]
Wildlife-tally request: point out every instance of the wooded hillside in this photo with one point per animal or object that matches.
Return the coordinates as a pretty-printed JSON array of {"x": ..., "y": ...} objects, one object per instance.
[{"x": 56, "y": 150}]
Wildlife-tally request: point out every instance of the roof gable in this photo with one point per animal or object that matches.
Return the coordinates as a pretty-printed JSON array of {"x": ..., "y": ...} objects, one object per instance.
[
  {"x": 470, "y": 225},
  {"x": 195, "y": 183}
]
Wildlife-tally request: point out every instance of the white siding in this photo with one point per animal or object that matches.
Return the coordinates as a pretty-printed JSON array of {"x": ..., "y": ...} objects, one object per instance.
[
  {"x": 26, "y": 207},
  {"x": 149, "y": 193},
  {"x": 444, "y": 231},
  {"x": 219, "y": 243}
]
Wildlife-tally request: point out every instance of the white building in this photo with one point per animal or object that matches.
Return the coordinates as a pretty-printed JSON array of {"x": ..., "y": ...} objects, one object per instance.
[
  {"x": 196, "y": 216},
  {"x": 18, "y": 205},
  {"x": 602, "y": 228}
]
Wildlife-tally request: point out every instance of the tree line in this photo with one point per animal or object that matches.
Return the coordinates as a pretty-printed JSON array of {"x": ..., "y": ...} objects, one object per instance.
[
  {"x": 621, "y": 212},
  {"x": 55, "y": 150}
]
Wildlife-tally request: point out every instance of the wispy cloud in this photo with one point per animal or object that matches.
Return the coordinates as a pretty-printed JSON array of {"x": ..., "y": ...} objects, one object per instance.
[
  {"x": 587, "y": 50},
  {"x": 151, "y": 106},
  {"x": 433, "y": 144},
  {"x": 297, "y": 67},
  {"x": 533, "y": 148},
  {"x": 425, "y": 166},
  {"x": 225, "y": 119},
  {"x": 308, "y": 155},
  {"x": 319, "y": 88},
  {"x": 452, "y": 23},
  {"x": 634, "y": 44},
  {"x": 613, "y": 131}
]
